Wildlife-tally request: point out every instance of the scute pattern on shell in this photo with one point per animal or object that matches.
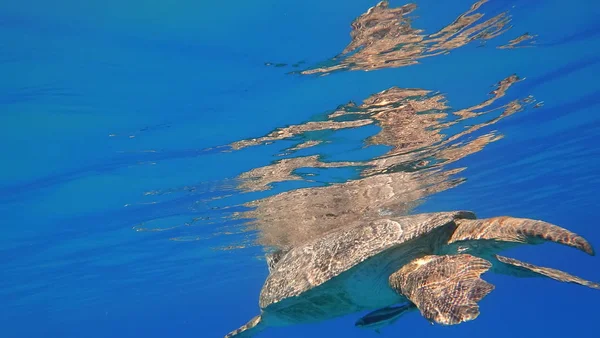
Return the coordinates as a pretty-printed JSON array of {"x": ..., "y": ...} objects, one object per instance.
[{"x": 316, "y": 262}]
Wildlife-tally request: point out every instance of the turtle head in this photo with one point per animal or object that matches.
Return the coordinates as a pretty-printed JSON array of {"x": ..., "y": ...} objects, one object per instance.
[
  {"x": 487, "y": 236},
  {"x": 498, "y": 230}
]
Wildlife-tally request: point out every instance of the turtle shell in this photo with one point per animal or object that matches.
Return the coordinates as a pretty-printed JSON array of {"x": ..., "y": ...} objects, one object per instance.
[{"x": 318, "y": 261}]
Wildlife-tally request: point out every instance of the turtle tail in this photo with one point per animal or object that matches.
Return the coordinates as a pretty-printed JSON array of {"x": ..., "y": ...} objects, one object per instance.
[{"x": 254, "y": 326}]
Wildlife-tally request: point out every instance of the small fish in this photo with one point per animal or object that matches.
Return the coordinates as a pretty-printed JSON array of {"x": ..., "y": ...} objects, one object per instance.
[{"x": 383, "y": 317}]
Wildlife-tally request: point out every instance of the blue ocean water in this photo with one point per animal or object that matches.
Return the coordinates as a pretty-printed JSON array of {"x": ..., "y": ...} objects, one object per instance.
[{"x": 126, "y": 190}]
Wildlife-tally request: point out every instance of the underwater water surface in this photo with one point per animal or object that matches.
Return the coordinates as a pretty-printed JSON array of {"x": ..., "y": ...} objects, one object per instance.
[{"x": 152, "y": 152}]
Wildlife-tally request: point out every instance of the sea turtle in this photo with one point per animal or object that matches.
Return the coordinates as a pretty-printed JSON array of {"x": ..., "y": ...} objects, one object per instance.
[{"x": 431, "y": 262}]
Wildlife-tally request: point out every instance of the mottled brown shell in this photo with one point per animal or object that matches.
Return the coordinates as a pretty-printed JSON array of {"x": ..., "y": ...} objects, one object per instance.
[{"x": 316, "y": 262}]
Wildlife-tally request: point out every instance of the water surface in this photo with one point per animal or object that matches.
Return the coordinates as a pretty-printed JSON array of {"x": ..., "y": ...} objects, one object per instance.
[{"x": 153, "y": 152}]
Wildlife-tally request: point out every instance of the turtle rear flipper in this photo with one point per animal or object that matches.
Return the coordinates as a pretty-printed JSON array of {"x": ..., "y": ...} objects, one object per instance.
[
  {"x": 446, "y": 289},
  {"x": 254, "y": 326},
  {"x": 515, "y": 267}
]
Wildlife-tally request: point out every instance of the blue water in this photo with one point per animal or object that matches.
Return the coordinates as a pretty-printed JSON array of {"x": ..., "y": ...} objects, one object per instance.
[{"x": 119, "y": 191}]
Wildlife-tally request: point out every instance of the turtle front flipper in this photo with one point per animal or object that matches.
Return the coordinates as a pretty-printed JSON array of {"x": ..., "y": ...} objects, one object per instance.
[
  {"x": 254, "y": 326},
  {"x": 377, "y": 319},
  {"x": 446, "y": 289},
  {"x": 511, "y": 266}
]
